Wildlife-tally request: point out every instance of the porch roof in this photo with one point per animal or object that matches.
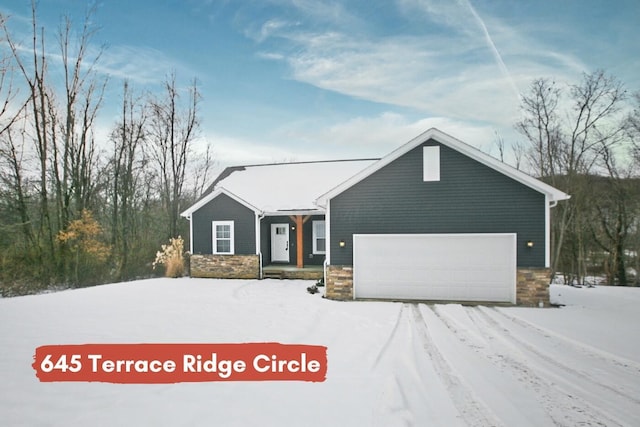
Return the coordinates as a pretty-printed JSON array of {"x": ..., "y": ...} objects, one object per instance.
[{"x": 283, "y": 188}]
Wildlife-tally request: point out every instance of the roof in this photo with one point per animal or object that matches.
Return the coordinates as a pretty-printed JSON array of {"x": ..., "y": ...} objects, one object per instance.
[
  {"x": 552, "y": 193},
  {"x": 281, "y": 188}
]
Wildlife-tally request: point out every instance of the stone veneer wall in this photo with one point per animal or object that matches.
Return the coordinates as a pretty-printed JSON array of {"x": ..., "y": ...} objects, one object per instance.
[
  {"x": 226, "y": 266},
  {"x": 532, "y": 286},
  {"x": 339, "y": 282}
]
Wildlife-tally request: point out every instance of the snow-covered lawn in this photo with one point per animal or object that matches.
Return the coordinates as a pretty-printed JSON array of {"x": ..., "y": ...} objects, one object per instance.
[{"x": 388, "y": 363}]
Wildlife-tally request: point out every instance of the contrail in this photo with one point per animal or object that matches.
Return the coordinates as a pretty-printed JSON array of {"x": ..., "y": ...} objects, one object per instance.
[{"x": 496, "y": 54}]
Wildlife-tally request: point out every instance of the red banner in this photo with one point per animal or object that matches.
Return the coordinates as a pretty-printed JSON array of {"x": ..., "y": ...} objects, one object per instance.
[{"x": 175, "y": 363}]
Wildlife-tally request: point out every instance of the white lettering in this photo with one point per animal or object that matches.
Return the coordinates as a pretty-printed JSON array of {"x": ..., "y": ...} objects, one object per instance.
[
  {"x": 263, "y": 363},
  {"x": 224, "y": 368}
]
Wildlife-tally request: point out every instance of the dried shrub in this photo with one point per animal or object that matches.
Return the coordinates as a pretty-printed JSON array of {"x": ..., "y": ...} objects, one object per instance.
[
  {"x": 174, "y": 267},
  {"x": 172, "y": 257}
]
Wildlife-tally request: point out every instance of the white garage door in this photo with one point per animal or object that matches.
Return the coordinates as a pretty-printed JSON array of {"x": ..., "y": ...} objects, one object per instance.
[{"x": 453, "y": 267}]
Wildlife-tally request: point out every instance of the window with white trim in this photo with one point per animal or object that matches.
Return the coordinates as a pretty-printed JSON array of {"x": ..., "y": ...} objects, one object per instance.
[
  {"x": 319, "y": 238},
  {"x": 223, "y": 239},
  {"x": 431, "y": 163}
]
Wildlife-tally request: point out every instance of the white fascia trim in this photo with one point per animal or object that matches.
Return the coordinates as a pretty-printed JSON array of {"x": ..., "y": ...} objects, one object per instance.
[
  {"x": 327, "y": 232},
  {"x": 295, "y": 212},
  {"x": 547, "y": 232},
  {"x": 190, "y": 236},
  {"x": 213, "y": 195},
  {"x": 455, "y": 144},
  {"x": 258, "y": 219}
]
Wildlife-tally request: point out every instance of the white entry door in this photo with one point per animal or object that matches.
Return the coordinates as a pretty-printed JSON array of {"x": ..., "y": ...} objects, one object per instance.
[{"x": 280, "y": 242}]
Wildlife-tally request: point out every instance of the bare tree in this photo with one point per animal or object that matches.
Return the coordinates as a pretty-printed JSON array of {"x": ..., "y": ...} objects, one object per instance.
[
  {"x": 201, "y": 169},
  {"x": 74, "y": 151},
  {"x": 9, "y": 111},
  {"x": 565, "y": 143},
  {"x": 541, "y": 126},
  {"x": 518, "y": 150},
  {"x": 12, "y": 178},
  {"x": 614, "y": 216},
  {"x": 633, "y": 130},
  {"x": 61, "y": 138},
  {"x": 12, "y": 151},
  {"x": 173, "y": 129},
  {"x": 39, "y": 107},
  {"x": 128, "y": 137}
]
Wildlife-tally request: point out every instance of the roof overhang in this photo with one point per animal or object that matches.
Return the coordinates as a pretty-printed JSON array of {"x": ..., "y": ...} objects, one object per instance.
[
  {"x": 288, "y": 212},
  {"x": 209, "y": 197},
  {"x": 553, "y": 194}
]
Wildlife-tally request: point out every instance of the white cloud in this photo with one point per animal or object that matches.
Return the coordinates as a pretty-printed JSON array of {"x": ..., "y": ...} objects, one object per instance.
[
  {"x": 408, "y": 72},
  {"x": 229, "y": 150},
  {"x": 271, "y": 56},
  {"x": 377, "y": 136},
  {"x": 358, "y": 137},
  {"x": 474, "y": 71},
  {"x": 333, "y": 12},
  {"x": 139, "y": 64},
  {"x": 267, "y": 29}
]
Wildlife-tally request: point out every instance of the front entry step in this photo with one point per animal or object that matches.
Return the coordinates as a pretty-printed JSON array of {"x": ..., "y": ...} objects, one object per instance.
[
  {"x": 273, "y": 274},
  {"x": 290, "y": 272}
]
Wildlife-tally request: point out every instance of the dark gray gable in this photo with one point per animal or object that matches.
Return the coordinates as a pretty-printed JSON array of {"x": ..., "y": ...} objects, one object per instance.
[
  {"x": 224, "y": 208},
  {"x": 469, "y": 198}
]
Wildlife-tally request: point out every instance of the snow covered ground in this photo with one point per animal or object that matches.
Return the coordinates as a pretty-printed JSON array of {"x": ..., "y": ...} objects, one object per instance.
[{"x": 388, "y": 363}]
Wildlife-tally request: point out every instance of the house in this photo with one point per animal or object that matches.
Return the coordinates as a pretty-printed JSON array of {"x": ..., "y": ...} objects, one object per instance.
[
  {"x": 436, "y": 219},
  {"x": 254, "y": 218}
]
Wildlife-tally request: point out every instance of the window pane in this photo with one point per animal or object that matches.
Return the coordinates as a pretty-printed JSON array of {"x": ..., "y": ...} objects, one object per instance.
[
  {"x": 223, "y": 231},
  {"x": 318, "y": 228},
  {"x": 223, "y": 246},
  {"x": 320, "y": 245}
]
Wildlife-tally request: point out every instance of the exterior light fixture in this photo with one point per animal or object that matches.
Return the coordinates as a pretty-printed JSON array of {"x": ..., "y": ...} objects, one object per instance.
[
  {"x": 529, "y": 243},
  {"x": 342, "y": 243}
]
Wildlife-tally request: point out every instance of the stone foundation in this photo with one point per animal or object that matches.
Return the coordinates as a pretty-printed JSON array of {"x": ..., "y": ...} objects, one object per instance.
[
  {"x": 225, "y": 266},
  {"x": 339, "y": 282},
  {"x": 532, "y": 286}
]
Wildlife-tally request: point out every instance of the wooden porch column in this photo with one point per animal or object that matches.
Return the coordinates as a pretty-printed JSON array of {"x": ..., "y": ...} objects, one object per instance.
[{"x": 300, "y": 220}]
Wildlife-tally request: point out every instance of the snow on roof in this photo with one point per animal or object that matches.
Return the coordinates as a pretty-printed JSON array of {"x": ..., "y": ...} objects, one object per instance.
[{"x": 283, "y": 187}]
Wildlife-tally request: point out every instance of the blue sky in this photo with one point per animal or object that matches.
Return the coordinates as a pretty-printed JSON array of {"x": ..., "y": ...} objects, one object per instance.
[{"x": 320, "y": 79}]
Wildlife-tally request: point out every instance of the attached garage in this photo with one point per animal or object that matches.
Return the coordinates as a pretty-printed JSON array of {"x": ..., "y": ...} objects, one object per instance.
[{"x": 451, "y": 267}]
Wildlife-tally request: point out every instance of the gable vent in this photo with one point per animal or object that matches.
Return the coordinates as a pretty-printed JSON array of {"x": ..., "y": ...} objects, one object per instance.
[{"x": 431, "y": 163}]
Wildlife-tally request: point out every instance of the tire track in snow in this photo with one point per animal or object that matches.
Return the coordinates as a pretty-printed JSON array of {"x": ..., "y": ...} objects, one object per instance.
[
  {"x": 473, "y": 412},
  {"x": 385, "y": 347},
  {"x": 604, "y": 356},
  {"x": 392, "y": 404},
  {"x": 240, "y": 293},
  {"x": 563, "y": 366},
  {"x": 564, "y": 407}
]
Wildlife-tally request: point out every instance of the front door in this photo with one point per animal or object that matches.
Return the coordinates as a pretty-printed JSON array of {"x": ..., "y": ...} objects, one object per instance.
[{"x": 280, "y": 242}]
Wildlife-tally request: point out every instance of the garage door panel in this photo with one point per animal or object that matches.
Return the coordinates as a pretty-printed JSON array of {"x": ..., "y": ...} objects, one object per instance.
[{"x": 464, "y": 267}]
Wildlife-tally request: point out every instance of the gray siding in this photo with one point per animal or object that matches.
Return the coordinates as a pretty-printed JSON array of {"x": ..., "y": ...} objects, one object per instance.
[
  {"x": 307, "y": 230},
  {"x": 469, "y": 198},
  {"x": 224, "y": 208}
]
